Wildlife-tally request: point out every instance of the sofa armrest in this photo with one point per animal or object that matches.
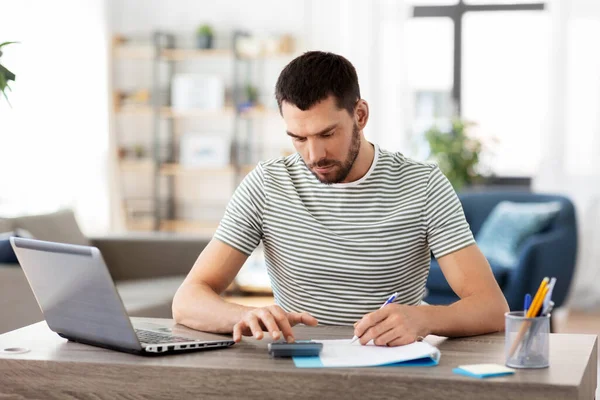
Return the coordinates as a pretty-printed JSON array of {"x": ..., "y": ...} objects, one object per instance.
[
  {"x": 551, "y": 254},
  {"x": 142, "y": 256}
]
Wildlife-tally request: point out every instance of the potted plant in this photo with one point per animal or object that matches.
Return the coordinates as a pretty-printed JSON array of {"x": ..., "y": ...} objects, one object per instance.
[
  {"x": 249, "y": 99},
  {"x": 5, "y": 74},
  {"x": 252, "y": 94},
  {"x": 204, "y": 37},
  {"x": 139, "y": 151},
  {"x": 456, "y": 153}
]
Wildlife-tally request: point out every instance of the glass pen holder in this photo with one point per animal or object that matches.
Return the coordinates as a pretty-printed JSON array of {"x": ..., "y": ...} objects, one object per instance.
[{"x": 526, "y": 340}]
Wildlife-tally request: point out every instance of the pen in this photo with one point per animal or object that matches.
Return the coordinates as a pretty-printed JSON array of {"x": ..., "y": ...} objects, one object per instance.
[
  {"x": 533, "y": 310},
  {"x": 549, "y": 294},
  {"x": 527, "y": 304},
  {"x": 538, "y": 298},
  {"x": 548, "y": 308},
  {"x": 388, "y": 301},
  {"x": 525, "y": 347}
]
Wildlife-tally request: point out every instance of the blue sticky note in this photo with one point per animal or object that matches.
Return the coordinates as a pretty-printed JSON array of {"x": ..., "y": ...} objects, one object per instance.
[
  {"x": 308, "y": 362},
  {"x": 483, "y": 370}
]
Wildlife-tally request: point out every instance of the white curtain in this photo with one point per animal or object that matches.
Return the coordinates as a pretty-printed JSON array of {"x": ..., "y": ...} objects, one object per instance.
[
  {"x": 572, "y": 143},
  {"x": 54, "y": 139},
  {"x": 370, "y": 35}
]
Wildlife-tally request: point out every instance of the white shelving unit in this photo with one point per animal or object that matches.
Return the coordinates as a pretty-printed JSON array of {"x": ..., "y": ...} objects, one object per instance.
[{"x": 152, "y": 180}]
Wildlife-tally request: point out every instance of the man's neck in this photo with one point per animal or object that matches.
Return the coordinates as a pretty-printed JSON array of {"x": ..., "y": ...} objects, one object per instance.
[{"x": 363, "y": 161}]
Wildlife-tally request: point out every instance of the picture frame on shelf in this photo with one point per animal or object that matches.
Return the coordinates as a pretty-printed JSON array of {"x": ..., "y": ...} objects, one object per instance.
[
  {"x": 197, "y": 91},
  {"x": 200, "y": 150}
]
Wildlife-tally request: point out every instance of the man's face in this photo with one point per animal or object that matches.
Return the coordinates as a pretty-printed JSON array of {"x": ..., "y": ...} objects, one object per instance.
[{"x": 326, "y": 137}]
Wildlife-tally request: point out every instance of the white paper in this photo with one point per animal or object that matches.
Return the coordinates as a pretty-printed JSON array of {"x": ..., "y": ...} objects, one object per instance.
[{"x": 341, "y": 353}]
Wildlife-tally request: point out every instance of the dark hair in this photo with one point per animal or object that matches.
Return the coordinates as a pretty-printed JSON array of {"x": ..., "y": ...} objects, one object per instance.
[{"x": 314, "y": 76}]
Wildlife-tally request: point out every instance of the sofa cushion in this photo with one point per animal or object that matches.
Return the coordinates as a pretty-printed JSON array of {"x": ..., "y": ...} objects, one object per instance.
[
  {"x": 509, "y": 225},
  {"x": 436, "y": 282},
  {"x": 60, "y": 226}
]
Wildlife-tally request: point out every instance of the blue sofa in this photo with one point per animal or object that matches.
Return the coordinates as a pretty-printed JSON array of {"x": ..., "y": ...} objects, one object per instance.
[{"x": 551, "y": 252}]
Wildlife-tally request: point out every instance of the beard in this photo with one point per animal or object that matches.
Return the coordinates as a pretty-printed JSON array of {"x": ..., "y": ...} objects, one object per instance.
[{"x": 340, "y": 169}]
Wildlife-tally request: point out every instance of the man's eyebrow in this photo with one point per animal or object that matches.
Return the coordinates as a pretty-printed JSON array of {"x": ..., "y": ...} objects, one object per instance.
[{"x": 329, "y": 128}]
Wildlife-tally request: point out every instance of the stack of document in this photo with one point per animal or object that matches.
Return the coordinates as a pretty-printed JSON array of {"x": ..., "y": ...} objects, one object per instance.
[{"x": 342, "y": 353}]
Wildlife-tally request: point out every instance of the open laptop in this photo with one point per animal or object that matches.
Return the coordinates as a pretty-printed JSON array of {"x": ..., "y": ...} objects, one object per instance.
[{"x": 78, "y": 298}]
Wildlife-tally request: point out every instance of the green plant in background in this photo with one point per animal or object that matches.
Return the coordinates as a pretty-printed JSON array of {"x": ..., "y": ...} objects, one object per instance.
[
  {"x": 204, "y": 30},
  {"x": 252, "y": 94},
  {"x": 5, "y": 74},
  {"x": 456, "y": 153},
  {"x": 204, "y": 37}
]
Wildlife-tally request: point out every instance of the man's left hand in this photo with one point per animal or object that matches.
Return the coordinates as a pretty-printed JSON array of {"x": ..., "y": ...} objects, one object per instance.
[{"x": 392, "y": 325}]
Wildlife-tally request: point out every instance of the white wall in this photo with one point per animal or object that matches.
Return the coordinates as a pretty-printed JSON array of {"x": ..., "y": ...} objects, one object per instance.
[
  {"x": 370, "y": 34},
  {"x": 260, "y": 16}
]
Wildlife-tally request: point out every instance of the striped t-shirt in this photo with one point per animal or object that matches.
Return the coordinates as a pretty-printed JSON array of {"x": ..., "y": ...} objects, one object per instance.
[{"x": 339, "y": 251}]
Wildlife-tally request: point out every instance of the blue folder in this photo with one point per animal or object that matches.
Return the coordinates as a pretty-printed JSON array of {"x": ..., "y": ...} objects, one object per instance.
[{"x": 315, "y": 362}]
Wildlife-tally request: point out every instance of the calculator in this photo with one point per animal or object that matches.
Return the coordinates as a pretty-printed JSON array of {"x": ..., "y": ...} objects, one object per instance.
[{"x": 305, "y": 348}]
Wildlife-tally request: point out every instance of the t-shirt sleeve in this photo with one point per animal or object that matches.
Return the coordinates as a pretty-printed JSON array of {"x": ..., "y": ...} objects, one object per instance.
[
  {"x": 241, "y": 225},
  {"x": 447, "y": 227}
]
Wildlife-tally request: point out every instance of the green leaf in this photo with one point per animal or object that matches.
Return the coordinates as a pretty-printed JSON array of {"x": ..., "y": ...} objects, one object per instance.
[
  {"x": 5, "y": 76},
  {"x": 6, "y": 97},
  {"x": 9, "y": 76},
  {"x": 3, "y": 82},
  {"x": 6, "y": 43},
  {"x": 3, "y": 87}
]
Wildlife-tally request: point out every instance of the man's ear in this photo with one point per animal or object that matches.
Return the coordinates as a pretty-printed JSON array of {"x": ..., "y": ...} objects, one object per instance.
[{"x": 361, "y": 114}]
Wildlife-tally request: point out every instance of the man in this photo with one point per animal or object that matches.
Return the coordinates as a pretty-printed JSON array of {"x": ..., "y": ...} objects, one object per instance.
[{"x": 344, "y": 224}]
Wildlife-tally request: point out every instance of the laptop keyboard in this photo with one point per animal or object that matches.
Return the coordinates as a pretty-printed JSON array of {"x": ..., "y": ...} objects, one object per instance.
[{"x": 156, "y": 338}]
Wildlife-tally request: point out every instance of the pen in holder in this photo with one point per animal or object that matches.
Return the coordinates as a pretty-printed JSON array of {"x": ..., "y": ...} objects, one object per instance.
[{"x": 527, "y": 340}]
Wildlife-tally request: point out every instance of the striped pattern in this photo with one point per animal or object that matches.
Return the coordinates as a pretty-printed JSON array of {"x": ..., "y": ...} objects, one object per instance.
[{"x": 338, "y": 251}]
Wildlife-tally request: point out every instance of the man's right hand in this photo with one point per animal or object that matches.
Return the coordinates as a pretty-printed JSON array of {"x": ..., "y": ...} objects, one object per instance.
[{"x": 272, "y": 319}]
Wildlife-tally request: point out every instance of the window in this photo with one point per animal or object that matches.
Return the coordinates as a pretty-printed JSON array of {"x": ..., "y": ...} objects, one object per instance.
[
  {"x": 429, "y": 49},
  {"x": 499, "y": 73},
  {"x": 583, "y": 97},
  {"x": 505, "y": 85}
]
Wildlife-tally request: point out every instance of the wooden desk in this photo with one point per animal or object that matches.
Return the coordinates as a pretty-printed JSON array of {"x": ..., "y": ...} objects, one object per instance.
[{"x": 57, "y": 369}]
